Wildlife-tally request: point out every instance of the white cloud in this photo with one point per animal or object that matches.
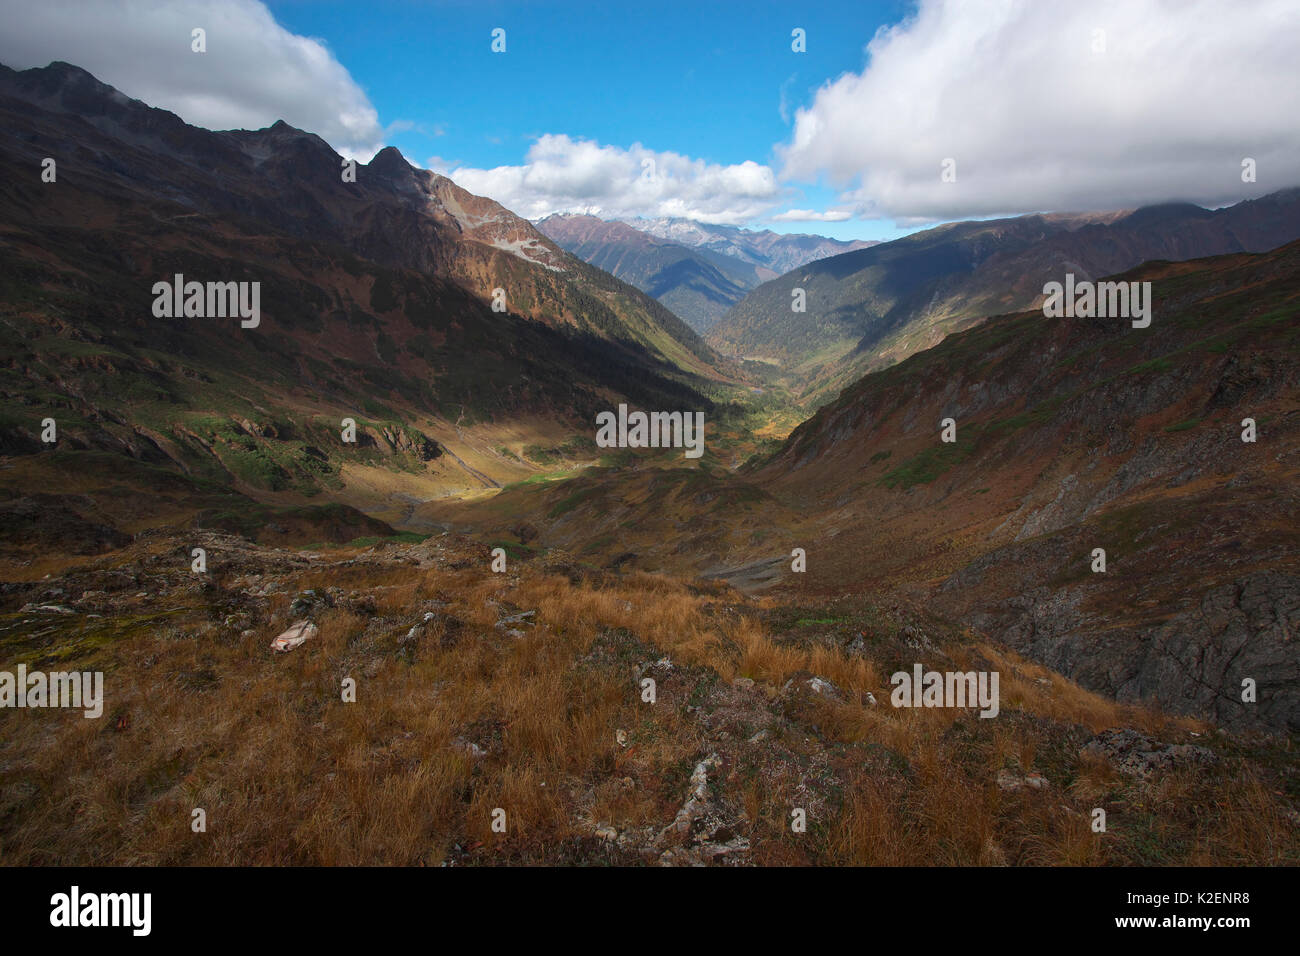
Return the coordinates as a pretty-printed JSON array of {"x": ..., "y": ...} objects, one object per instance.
[
  {"x": 1037, "y": 119},
  {"x": 437, "y": 164},
  {"x": 811, "y": 215},
  {"x": 561, "y": 174},
  {"x": 253, "y": 73}
]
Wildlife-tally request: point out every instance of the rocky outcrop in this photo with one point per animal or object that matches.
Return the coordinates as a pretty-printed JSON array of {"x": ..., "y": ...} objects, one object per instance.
[{"x": 1197, "y": 662}]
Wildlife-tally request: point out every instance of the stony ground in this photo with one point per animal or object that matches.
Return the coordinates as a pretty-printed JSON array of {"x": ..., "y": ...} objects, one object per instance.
[{"x": 508, "y": 718}]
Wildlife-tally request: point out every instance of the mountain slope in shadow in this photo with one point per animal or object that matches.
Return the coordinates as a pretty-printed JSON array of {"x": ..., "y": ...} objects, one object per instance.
[{"x": 380, "y": 302}]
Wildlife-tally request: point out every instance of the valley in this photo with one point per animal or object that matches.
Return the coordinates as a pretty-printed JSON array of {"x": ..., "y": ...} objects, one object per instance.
[{"x": 400, "y": 413}]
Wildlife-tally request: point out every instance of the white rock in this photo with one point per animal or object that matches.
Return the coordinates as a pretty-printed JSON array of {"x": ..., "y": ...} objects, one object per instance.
[{"x": 297, "y": 634}]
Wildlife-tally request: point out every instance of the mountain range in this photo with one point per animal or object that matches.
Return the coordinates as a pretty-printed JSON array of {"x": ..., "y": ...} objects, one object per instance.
[
  {"x": 646, "y": 657},
  {"x": 869, "y": 308},
  {"x": 697, "y": 270},
  {"x": 771, "y": 253},
  {"x": 450, "y": 330},
  {"x": 377, "y": 307},
  {"x": 1069, "y": 435}
]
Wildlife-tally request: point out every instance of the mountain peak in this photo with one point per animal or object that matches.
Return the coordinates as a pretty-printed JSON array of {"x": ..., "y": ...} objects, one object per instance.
[
  {"x": 59, "y": 77},
  {"x": 389, "y": 164},
  {"x": 64, "y": 68}
]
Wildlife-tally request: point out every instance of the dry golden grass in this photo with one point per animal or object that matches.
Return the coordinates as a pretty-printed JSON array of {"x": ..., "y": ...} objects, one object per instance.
[{"x": 288, "y": 773}]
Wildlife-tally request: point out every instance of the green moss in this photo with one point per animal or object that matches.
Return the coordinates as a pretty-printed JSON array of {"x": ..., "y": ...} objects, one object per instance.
[{"x": 87, "y": 643}]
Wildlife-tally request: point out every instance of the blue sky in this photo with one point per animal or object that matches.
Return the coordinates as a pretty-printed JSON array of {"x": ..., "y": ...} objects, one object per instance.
[{"x": 703, "y": 79}]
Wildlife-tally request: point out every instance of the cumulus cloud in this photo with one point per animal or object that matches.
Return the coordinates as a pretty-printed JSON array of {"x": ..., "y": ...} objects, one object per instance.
[
  {"x": 1059, "y": 106},
  {"x": 560, "y": 174},
  {"x": 253, "y": 73},
  {"x": 811, "y": 215}
]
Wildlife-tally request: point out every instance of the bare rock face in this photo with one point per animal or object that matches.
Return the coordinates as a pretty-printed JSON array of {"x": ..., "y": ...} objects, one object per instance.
[
  {"x": 1245, "y": 630},
  {"x": 1194, "y": 663}
]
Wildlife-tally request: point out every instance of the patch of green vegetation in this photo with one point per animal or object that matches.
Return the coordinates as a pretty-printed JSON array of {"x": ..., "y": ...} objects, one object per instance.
[
  {"x": 401, "y": 537},
  {"x": 573, "y": 500},
  {"x": 1153, "y": 365},
  {"x": 1128, "y": 531},
  {"x": 514, "y": 549},
  {"x": 1218, "y": 346},
  {"x": 576, "y": 447},
  {"x": 745, "y": 494},
  {"x": 1076, "y": 357},
  {"x": 75, "y": 348},
  {"x": 621, "y": 458},
  {"x": 89, "y": 642},
  {"x": 249, "y": 463},
  {"x": 1282, "y": 316},
  {"x": 809, "y": 621},
  {"x": 544, "y": 478},
  {"x": 378, "y": 409},
  {"x": 881, "y": 456},
  {"x": 930, "y": 463},
  {"x": 1184, "y": 425},
  {"x": 596, "y": 544},
  {"x": 1039, "y": 414}
]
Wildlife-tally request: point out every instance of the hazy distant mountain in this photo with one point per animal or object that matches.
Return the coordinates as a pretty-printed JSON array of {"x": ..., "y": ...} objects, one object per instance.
[
  {"x": 772, "y": 253},
  {"x": 696, "y": 284},
  {"x": 698, "y": 271},
  {"x": 868, "y": 308}
]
